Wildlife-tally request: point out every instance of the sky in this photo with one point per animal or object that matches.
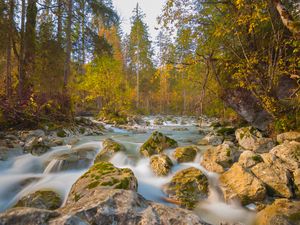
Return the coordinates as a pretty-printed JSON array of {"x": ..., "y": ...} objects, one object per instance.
[{"x": 152, "y": 9}]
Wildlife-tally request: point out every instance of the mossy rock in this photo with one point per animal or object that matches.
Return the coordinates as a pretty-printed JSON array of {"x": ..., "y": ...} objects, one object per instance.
[
  {"x": 158, "y": 121},
  {"x": 102, "y": 175},
  {"x": 156, "y": 144},
  {"x": 61, "y": 133},
  {"x": 43, "y": 199},
  {"x": 224, "y": 131},
  {"x": 185, "y": 154},
  {"x": 188, "y": 187},
  {"x": 110, "y": 147},
  {"x": 37, "y": 146},
  {"x": 161, "y": 164}
]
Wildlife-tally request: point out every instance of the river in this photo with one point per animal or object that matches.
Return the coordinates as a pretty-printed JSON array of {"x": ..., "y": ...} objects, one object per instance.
[{"x": 24, "y": 174}]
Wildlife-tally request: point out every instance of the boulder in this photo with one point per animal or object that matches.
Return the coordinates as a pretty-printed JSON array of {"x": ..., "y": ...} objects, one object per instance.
[
  {"x": 187, "y": 187},
  {"x": 158, "y": 122},
  {"x": 212, "y": 139},
  {"x": 275, "y": 175},
  {"x": 161, "y": 164},
  {"x": 288, "y": 136},
  {"x": 103, "y": 207},
  {"x": 251, "y": 139},
  {"x": 156, "y": 144},
  {"x": 238, "y": 183},
  {"x": 4, "y": 152},
  {"x": 218, "y": 159},
  {"x": 225, "y": 131},
  {"x": 296, "y": 176},
  {"x": 36, "y": 145},
  {"x": 75, "y": 158},
  {"x": 43, "y": 199},
  {"x": 28, "y": 216},
  {"x": 110, "y": 147},
  {"x": 102, "y": 175},
  {"x": 280, "y": 212},
  {"x": 249, "y": 159},
  {"x": 289, "y": 153},
  {"x": 185, "y": 154}
]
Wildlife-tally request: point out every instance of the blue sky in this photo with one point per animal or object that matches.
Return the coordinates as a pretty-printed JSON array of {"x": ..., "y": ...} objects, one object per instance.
[{"x": 152, "y": 9}]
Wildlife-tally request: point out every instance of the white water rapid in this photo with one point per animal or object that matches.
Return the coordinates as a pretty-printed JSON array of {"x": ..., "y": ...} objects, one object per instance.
[{"x": 25, "y": 174}]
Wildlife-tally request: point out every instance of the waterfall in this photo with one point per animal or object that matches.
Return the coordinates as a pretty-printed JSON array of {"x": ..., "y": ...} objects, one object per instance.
[{"x": 54, "y": 166}]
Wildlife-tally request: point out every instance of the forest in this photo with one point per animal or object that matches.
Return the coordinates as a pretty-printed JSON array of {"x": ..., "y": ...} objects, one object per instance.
[{"x": 231, "y": 60}]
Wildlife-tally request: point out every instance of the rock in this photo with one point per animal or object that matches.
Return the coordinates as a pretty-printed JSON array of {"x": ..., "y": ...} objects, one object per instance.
[
  {"x": 41, "y": 199},
  {"x": 158, "y": 121},
  {"x": 242, "y": 101},
  {"x": 225, "y": 131},
  {"x": 275, "y": 175},
  {"x": 103, "y": 207},
  {"x": 289, "y": 153},
  {"x": 217, "y": 159},
  {"x": 36, "y": 146},
  {"x": 251, "y": 139},
  {"x": 102, "y": 175},
  {"x": 249, "y": 159},
  {"x": 75, "y": 158},
  {"x": 4, "y": 152},
  {"x": 183, "y": 122},
  {"x": 56, "y": 142},
  {"x": 213, "y": 139},
  {"x": 28, "y": 216},
  {"x": 296, "y": 176},
  {"x": 238, "y": 183},
  {"x": 203, "y": 142},
  {"x": 280, "y": 212},
  {"x": 161, "y": 164},
  {"x": 61, "y": 133},
  {"x": 202, "y": 131},
  {"x": 156, "y": 144},
  {"x": 72, "y": 141},
  {"x": 288, "y": 136},
  {"x": 110, "y": 147},
  {"x": 187, "y": 186},
  {"x": 185, "y": 154}
]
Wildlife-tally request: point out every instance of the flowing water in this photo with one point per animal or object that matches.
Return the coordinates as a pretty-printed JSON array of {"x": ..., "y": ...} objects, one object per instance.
[{"x": 25, "y": 174}]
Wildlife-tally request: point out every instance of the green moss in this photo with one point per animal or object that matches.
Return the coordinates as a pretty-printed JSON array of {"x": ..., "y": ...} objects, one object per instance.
[
  {"x": 257, "y": 158},
  {"x": 156, "y": 144},
  {"x": 82, "y": 130},
  {"x": 228, "y": 153},
  {"x": 76, "y": 197},
  {"x": 93, "y": 185},
  {"x": 188, "y": 186},
  {"x": 61, "y": 133},
  {"x": 295, "y": 217}
]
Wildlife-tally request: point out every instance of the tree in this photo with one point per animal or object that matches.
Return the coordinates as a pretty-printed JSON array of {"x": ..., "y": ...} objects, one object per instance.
[{"x": 140, "y": 53}]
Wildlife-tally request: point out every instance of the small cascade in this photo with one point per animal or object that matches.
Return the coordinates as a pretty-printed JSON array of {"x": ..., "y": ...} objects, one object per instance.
[{"x": 54, "y": 166}]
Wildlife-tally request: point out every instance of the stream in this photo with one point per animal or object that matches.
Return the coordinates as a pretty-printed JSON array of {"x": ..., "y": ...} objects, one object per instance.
[{"x": 24, "y": 174}]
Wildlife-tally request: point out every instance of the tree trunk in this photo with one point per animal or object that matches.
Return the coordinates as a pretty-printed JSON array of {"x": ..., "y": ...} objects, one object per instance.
[
  {"x": 30, "y": 41},
  {"x": 83, "y": 33},
  {"x": 59, "y": 21},
  {"x": 21, "y": 55},
  {"x": 9, "y": 48},
  {"x": 287, "y": 19},
  {"x": 68, "y": 44}
]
